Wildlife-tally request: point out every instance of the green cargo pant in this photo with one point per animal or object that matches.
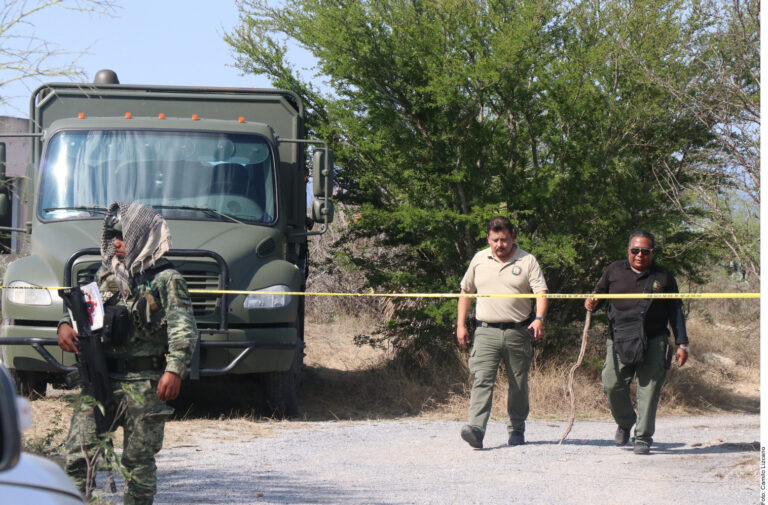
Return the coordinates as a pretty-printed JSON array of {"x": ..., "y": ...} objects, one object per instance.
[
  {"x": 650, "y": 374},
  {"x": 143, "y": 423},
  {"x": 514, "y": 348}
]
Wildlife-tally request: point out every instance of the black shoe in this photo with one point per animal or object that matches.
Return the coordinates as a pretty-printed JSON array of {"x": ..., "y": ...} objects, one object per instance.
[
  {"x": 642, "y": 447},
  {"x": 473, "y": 436},
  {"x": 516, "y": 438},
  {"x": 622, "y": 435}
]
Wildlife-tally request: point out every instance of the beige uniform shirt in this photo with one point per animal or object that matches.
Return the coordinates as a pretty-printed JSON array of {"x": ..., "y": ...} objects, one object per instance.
[{"x": 519, "y": 274}]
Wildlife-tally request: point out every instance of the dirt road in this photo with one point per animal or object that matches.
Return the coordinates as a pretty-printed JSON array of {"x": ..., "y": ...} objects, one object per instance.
[{"x": 703, "y": 460}]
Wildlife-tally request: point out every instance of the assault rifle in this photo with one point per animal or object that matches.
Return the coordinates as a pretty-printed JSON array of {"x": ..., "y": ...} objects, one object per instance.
[{"x": 91, "y": 360}]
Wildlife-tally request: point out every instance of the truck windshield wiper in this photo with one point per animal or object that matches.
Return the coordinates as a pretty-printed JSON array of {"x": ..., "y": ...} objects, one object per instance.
[
  {"x": 207, "y": 210},
  {"x": 92, "y": 209}
]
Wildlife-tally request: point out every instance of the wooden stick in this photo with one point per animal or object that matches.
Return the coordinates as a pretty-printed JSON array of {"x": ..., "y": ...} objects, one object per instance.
[{"x": 573, "y": 370}]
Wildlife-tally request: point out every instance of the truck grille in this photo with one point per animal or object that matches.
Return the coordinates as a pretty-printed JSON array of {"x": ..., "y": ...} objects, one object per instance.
[
  {"x": 205, "y": 305},
  {"x": 199, "y": 275}
]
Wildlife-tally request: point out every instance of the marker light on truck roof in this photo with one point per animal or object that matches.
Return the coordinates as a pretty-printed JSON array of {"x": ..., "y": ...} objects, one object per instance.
[
  {"x": 128, "y": 115},
  {"x": 195, "y": 117},
  {"x": 80, "y": 115},
  {"x": 161, "y": 116},
  {"x": 241, "y": 119}
]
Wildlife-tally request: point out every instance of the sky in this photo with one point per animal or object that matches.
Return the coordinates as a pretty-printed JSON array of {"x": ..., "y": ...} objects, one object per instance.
[{"x": 165, "y": 42}]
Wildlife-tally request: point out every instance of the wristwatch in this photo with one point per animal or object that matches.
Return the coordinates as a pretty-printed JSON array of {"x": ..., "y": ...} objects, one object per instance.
[{"x": 540, "y": 318}]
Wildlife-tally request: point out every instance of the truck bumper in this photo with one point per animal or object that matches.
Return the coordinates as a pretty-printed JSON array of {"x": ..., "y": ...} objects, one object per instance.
[
  {"x": 26, "y": 357},
  {"x": 237, "y": 351},
  {"x": 246, "y": 351}
]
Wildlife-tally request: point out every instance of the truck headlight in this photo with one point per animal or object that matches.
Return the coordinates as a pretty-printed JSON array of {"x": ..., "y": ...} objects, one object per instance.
[
  {"x": 25, "y": 296},
  {"x": 274, "y": 299}
]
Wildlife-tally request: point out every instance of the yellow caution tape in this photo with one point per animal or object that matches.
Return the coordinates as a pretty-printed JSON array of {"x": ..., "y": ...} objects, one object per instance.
[
  {"x": 550, "y": 296},
  {"x": 488, "y": 295}
]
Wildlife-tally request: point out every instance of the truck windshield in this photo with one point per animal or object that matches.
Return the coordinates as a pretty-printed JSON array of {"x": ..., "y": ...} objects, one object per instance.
[{"x": 184, "y": 175}]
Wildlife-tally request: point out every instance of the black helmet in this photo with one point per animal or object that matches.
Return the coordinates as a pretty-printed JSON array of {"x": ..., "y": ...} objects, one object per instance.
[{"x": 113, "y": 225}]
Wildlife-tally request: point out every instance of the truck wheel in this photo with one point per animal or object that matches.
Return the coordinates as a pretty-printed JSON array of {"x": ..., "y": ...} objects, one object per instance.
[
  {"x": 281, "y": 389},
  {"x": 30, "y": 384}
]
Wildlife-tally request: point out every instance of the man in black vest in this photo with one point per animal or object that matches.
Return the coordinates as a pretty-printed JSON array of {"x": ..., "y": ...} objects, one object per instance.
[{"x": 638, "y": 345}]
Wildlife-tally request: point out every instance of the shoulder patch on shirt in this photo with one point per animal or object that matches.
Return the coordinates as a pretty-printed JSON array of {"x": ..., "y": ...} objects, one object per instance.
[
  {"x": 180, "y": 289},
  {"x": 657, "y": 286},
  {"x": 516, "y": 270}
]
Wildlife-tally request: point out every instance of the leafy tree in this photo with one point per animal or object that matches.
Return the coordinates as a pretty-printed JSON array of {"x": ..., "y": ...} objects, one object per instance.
[{"x": 446, "y": 113}]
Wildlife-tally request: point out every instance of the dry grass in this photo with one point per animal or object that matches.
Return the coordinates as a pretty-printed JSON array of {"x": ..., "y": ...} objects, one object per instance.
[
  {"x": 348, "y": 382},
  {"x": 345, "y": 381}
]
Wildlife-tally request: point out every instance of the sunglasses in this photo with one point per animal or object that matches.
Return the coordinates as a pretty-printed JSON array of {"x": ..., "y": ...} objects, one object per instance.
[{"x": 638, "y": 250}]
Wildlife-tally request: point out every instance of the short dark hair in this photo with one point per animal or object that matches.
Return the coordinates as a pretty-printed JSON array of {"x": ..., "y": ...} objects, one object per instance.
[
  {"x": 643, "y": 234},
  {"x": 499, "y": 223}
]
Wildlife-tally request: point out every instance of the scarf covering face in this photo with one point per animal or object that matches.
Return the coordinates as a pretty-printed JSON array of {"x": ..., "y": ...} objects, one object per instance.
[{"x": 146, "y": 238}]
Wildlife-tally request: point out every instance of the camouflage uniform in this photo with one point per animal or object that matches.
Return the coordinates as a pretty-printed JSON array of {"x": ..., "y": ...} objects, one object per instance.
[{"x": 144, "y": 420}]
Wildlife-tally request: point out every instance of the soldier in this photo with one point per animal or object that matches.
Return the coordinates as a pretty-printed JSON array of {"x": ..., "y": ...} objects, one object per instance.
[{"x": 147, "y": 357}]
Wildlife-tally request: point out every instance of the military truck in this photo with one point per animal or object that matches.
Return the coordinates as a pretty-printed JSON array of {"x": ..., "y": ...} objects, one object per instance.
[{"x": 227, "y": 167}]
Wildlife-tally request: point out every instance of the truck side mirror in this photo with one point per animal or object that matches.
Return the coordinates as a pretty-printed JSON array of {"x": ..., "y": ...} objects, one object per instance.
[
  {"x": 10, "y": 435},
  {"x": 322, "y": 172},
  {"x": 322, "y": 208}
]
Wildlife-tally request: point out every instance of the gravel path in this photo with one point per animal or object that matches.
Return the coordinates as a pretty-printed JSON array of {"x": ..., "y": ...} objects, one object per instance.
[{"x": 703, "y": 460}]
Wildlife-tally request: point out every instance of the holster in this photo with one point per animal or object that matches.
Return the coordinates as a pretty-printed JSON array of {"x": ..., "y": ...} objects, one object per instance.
[{"x": 668, "y": 353}]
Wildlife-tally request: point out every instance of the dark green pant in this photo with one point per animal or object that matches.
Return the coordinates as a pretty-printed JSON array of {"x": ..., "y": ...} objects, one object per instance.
[
  {"x": 491, "y": 346},
  {"x": 650, "y": 374}
]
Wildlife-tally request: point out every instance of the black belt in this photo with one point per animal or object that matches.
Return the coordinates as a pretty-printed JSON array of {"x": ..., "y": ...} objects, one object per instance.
[
  {"x": 503, "y": 326},
  {"x": 140, "y": 364}
]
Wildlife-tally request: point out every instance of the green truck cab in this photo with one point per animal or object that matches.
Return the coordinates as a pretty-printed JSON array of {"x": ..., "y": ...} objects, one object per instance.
[{"x": 227, "y": 168}]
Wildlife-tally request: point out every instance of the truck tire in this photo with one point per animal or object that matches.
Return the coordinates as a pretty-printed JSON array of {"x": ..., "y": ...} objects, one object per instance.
[
  {"x": 281, "y": 389},
  {"x": 30, "y": 384}
]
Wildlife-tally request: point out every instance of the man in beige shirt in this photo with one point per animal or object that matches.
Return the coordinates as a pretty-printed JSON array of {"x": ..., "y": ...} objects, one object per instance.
[{"x": 504, "y": 328}]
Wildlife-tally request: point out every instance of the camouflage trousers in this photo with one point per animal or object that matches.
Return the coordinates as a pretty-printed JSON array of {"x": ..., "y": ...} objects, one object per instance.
[{"x": 143, "y": 423}]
